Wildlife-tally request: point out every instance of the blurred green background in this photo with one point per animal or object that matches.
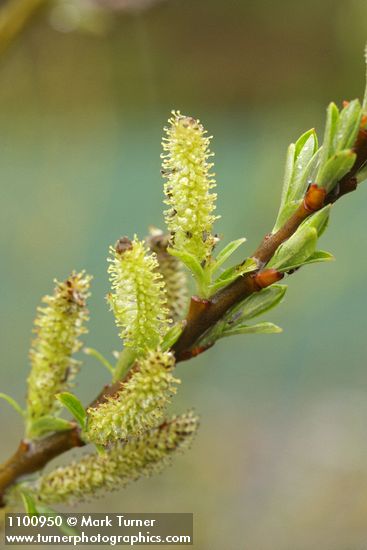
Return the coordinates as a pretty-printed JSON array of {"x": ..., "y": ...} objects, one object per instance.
[{"x": 281, "y": 459}]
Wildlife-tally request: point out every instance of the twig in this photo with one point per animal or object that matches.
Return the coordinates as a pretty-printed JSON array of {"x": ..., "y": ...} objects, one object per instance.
[{"x": 203, "y": 314}]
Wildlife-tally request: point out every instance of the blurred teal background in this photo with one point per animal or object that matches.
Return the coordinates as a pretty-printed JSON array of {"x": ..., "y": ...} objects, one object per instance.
[{"x": 281, "y": 459}]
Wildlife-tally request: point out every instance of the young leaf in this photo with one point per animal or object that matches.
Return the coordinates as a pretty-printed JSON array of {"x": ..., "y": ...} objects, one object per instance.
[
  {"x": 288, "y": 172},
  {"x": 74, "y": 406},
  {"x": 226, "y": 253},
  {"x": 64, "y": 527},
  {"x": 317, "y": 257},
  {"x": 348, "y": 126},
  {"x": 232, "y": 273},
  {"x": 260, "y": 328},
  {"x": 47, "y": 424},
  {"x": 319, "y": 220},
  {"x": 285, "y": 213},
  {"x": 335, "y": 168},
  {"x": 332, "y": 118},
  {"x": 320, "y": 256},
  {"x": 28, "y": 502},
  {"x": 303, "y": 139},
  {"x": 13, "y": 403},
  {"x": 190, "y": 262},
  {"x": 257, "y": 304},
  {"x": 296, "y": 250},
  {"x": 172, "y": 335},
  {"x": 306, "y": 154}
]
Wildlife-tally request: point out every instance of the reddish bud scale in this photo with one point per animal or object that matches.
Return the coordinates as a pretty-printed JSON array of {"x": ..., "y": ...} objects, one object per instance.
[
  {"x": 315, "y": 197},
  {"x": 267, "y": 277}
]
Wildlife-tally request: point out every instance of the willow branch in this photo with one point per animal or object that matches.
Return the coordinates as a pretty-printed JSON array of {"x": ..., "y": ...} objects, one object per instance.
[{"x": 203, "y": 314}]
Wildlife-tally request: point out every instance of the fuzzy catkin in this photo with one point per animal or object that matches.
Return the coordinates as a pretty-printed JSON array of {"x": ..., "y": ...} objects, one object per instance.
[
  {"x": 173, "y": 274},
  {"x": 138, "y": 297},
  {"x": 140, "y": 403},
  {"x": 186, "y": 168},
  {"x": 119, "y": 464},
  {"x": 58, "y": 326}
]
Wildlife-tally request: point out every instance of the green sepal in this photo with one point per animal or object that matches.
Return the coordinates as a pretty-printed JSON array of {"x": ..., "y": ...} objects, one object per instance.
[
  {"x": 227, "y": 251},
  {"x": 46, "y": 424},
  {"x": 348, "y": 126},
  {"x": 257, "y": 304},
  {"x": 172, "y": 335},
  {"x": 296, "y": 250},
  {"x": 232, "y": 273},
  {"x": 11, "y": 401},
  {"x": 319, "y": 220},
  {"x": 335, "y": 168},
  {"x": 260, "y": 328},
  {"x": 74, "y": 406}
]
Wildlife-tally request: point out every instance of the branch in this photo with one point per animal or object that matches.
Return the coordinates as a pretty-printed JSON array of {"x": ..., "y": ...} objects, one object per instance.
[{"x": 203, "y": 314}]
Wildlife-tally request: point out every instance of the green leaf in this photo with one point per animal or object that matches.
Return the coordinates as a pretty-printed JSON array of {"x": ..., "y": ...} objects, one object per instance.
[
  {"x": 13, "y": 403},
  {"x": 317, "y": 257},
  {"x": 303, "y": 139},
  {"x": 74, "y": 406},
  {"x": 296, "y": 250},
  {"x": 260, "y": 328},
  {"x": 47, "y": 424},
  {"x": 285, "y": 213},
  {"x": 226, "y": 253},
  {"x": 232, "y": 273},
  {"x": 348, "y": 126},
  {"x": 319, "y": 220},
  {"x": 335, "y": 168},
  {"x": 288, "y": 172},
  {"x": 28, "y": 502},
  {"x": 320, "y": 256},
  {"x": 332, "y": 118},
  {"x": 190, "y": 262},
  {"x": 306, "y": 154},
  {"x": 64, "y": 527},
  {"x": 94, "y": 353},
  {"x": 172, "y": 335},
  {"x": 257, "y": 304}
]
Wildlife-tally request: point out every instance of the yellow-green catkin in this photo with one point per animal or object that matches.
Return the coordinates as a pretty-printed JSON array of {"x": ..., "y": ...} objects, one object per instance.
[
  {"x": 138, "y": 297},
  {"x": 58, "y": 326},
  {"x": 119, "y": 464},
  {"x": 188, "y": 187},
  {"x": 173, "y": 274},
  {"x": 139, "y": 405}
]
